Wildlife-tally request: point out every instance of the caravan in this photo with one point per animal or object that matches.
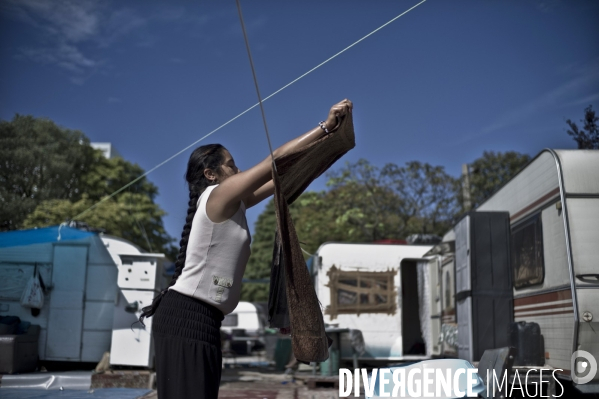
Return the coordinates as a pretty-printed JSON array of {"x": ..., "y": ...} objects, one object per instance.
[
  {"x": 552, "y": 211},
  {"x": 380, "y": 290},
  {"x": 81, "y": 288},
  {"x": 96, "y": 285}
]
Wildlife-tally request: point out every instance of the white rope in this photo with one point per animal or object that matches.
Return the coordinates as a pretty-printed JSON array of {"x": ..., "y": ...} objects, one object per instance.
[
  {"x": 246, "y": 111},
  {"x": 306, "y": 252},
  {"x": 60, "y": 227},
  {"x": 341, "y": 52}
]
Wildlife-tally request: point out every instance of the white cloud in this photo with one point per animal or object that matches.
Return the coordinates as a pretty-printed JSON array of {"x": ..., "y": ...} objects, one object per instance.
[
  {"x": 72, "y": 34},
  {"x": 585, "y": 101},
  {"x": 71, "y": 21},
  {"x": 582, "y": 78},
  {"x": 548, "y": 5},
  {"x": 78, "y": 80},
  {"x": 119, "y": 24},
  {"x": 69, "y": 30},
  {"x": 64, "y": 55}
]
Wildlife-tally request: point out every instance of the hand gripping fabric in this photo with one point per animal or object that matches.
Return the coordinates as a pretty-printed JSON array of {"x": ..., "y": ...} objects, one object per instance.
[{"x": 295, "y": 173}]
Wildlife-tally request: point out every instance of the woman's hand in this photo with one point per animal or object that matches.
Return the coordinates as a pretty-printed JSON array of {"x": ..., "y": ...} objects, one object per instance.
[
  {"x": 255, "y": 184},
  {"x": 337, "y": 112}
]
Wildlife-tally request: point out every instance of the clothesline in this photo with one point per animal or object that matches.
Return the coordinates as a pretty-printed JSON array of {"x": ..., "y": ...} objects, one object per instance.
[{"x": 244, "y": 112}]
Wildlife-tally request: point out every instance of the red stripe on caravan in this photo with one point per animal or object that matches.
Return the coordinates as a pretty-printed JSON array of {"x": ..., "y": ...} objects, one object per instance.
[
  {"x": 528, "y": 316},
  {"x": 535, "y": 204},
  {"x": 544, "y": 307},
  {"x": 542, "y": 298}
]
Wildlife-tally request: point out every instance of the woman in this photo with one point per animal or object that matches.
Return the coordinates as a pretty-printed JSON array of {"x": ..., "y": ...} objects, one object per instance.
[{"x": 215, "y": 247}]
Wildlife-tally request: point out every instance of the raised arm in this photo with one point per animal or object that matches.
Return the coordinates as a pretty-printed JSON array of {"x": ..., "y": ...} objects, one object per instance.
[
  {"x": 260, "y": 194},
  {"x": 255, "y": 184}
]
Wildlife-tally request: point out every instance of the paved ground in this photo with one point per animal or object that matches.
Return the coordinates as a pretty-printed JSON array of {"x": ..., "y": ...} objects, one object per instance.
[
  {"x": 263, "y": 384},
  {"x": 240, "y": 382},
  {"x": 271, "y": 385},
  {"x": 105, "y": 393}
]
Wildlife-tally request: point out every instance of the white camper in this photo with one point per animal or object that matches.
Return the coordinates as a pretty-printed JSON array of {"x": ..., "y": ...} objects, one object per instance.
[
  {"x": 245, "y": 317},
  {"x": 553, "y": 212},
  {"x": 140, "y": 278},
  {"x": 381, "y": 290}
]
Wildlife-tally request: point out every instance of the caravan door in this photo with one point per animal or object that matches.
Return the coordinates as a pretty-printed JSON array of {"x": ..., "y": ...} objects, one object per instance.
[{"x": 65, "y": 321}]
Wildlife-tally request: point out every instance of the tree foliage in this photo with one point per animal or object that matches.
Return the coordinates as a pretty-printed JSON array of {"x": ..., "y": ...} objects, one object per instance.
[
  {"x": 427, "y": 193},
  {"x": 132, "y": 216},
  {"x": 588, "y": 137},
  {"x": 39, "y": 161},
  {"x": 258, "y": 266},
  {"x": 491, "y": 171},
  {"x": 50, "y": 175},
  {"x": 364, "y": 203}
]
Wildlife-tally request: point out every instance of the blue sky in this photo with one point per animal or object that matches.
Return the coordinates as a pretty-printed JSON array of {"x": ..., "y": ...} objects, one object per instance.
[{"x": 442, "y": 84}]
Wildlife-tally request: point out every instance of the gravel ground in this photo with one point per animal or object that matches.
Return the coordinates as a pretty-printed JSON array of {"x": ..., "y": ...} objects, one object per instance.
[{"x": 243, "y": 383}]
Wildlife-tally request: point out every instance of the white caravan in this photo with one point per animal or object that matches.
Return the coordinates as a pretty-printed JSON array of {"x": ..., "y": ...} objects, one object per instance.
[
  {"x": 381, "y": 290},
  {"x": 245, "y": 317},
  {"x": 553, "y": 206}
]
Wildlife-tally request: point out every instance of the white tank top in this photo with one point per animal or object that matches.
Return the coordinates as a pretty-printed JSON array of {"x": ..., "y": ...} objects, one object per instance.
[{"x": 217, "y": 254}]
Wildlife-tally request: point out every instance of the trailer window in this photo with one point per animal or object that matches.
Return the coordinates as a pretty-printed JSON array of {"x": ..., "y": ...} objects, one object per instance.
[
  {"x": 357, "y": 292},
  {"x": 527, "y": 253},
  {"x": 230, "y": 320}
]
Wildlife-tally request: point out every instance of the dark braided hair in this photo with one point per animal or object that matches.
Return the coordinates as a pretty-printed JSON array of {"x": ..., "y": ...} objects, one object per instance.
[{"x": 209, "y": 156}]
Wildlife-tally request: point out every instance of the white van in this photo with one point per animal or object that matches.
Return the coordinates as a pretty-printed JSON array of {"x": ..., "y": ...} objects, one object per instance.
[{"x": 244, "y": 317}]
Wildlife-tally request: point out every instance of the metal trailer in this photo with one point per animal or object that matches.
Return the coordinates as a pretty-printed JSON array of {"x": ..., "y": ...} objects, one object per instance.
[
  {"x": 553, "y": 206},
  {"x": 382, "y": 291},
  {"x": 96, "y": 286},
  {"x": 80, "y": 276}
]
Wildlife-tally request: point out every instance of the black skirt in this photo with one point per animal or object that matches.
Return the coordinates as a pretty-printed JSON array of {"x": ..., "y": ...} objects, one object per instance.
[{"x": 188, "y": 348}]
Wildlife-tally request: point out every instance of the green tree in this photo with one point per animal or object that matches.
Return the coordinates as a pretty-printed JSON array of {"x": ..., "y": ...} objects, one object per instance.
[
  {"x": 40, "y": 161},
  {"x": 357, "y": 207},
  {"x": 428, "y": 204},
  {"x": 52, "y": 174},
  {"x": 106, "y": 176},
  {"x": 491, "y": 171},
  {"x": 367, "y": 203},
  {"x": 258, "y": 266},
  {"x": 363, "y": 203},
  {"x": 132, "y": 216},
  {"x": 588, "y": 137}
]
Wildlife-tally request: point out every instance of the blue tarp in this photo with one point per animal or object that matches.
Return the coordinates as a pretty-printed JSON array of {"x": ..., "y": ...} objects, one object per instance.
[{"x": 40, "y": 236}]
